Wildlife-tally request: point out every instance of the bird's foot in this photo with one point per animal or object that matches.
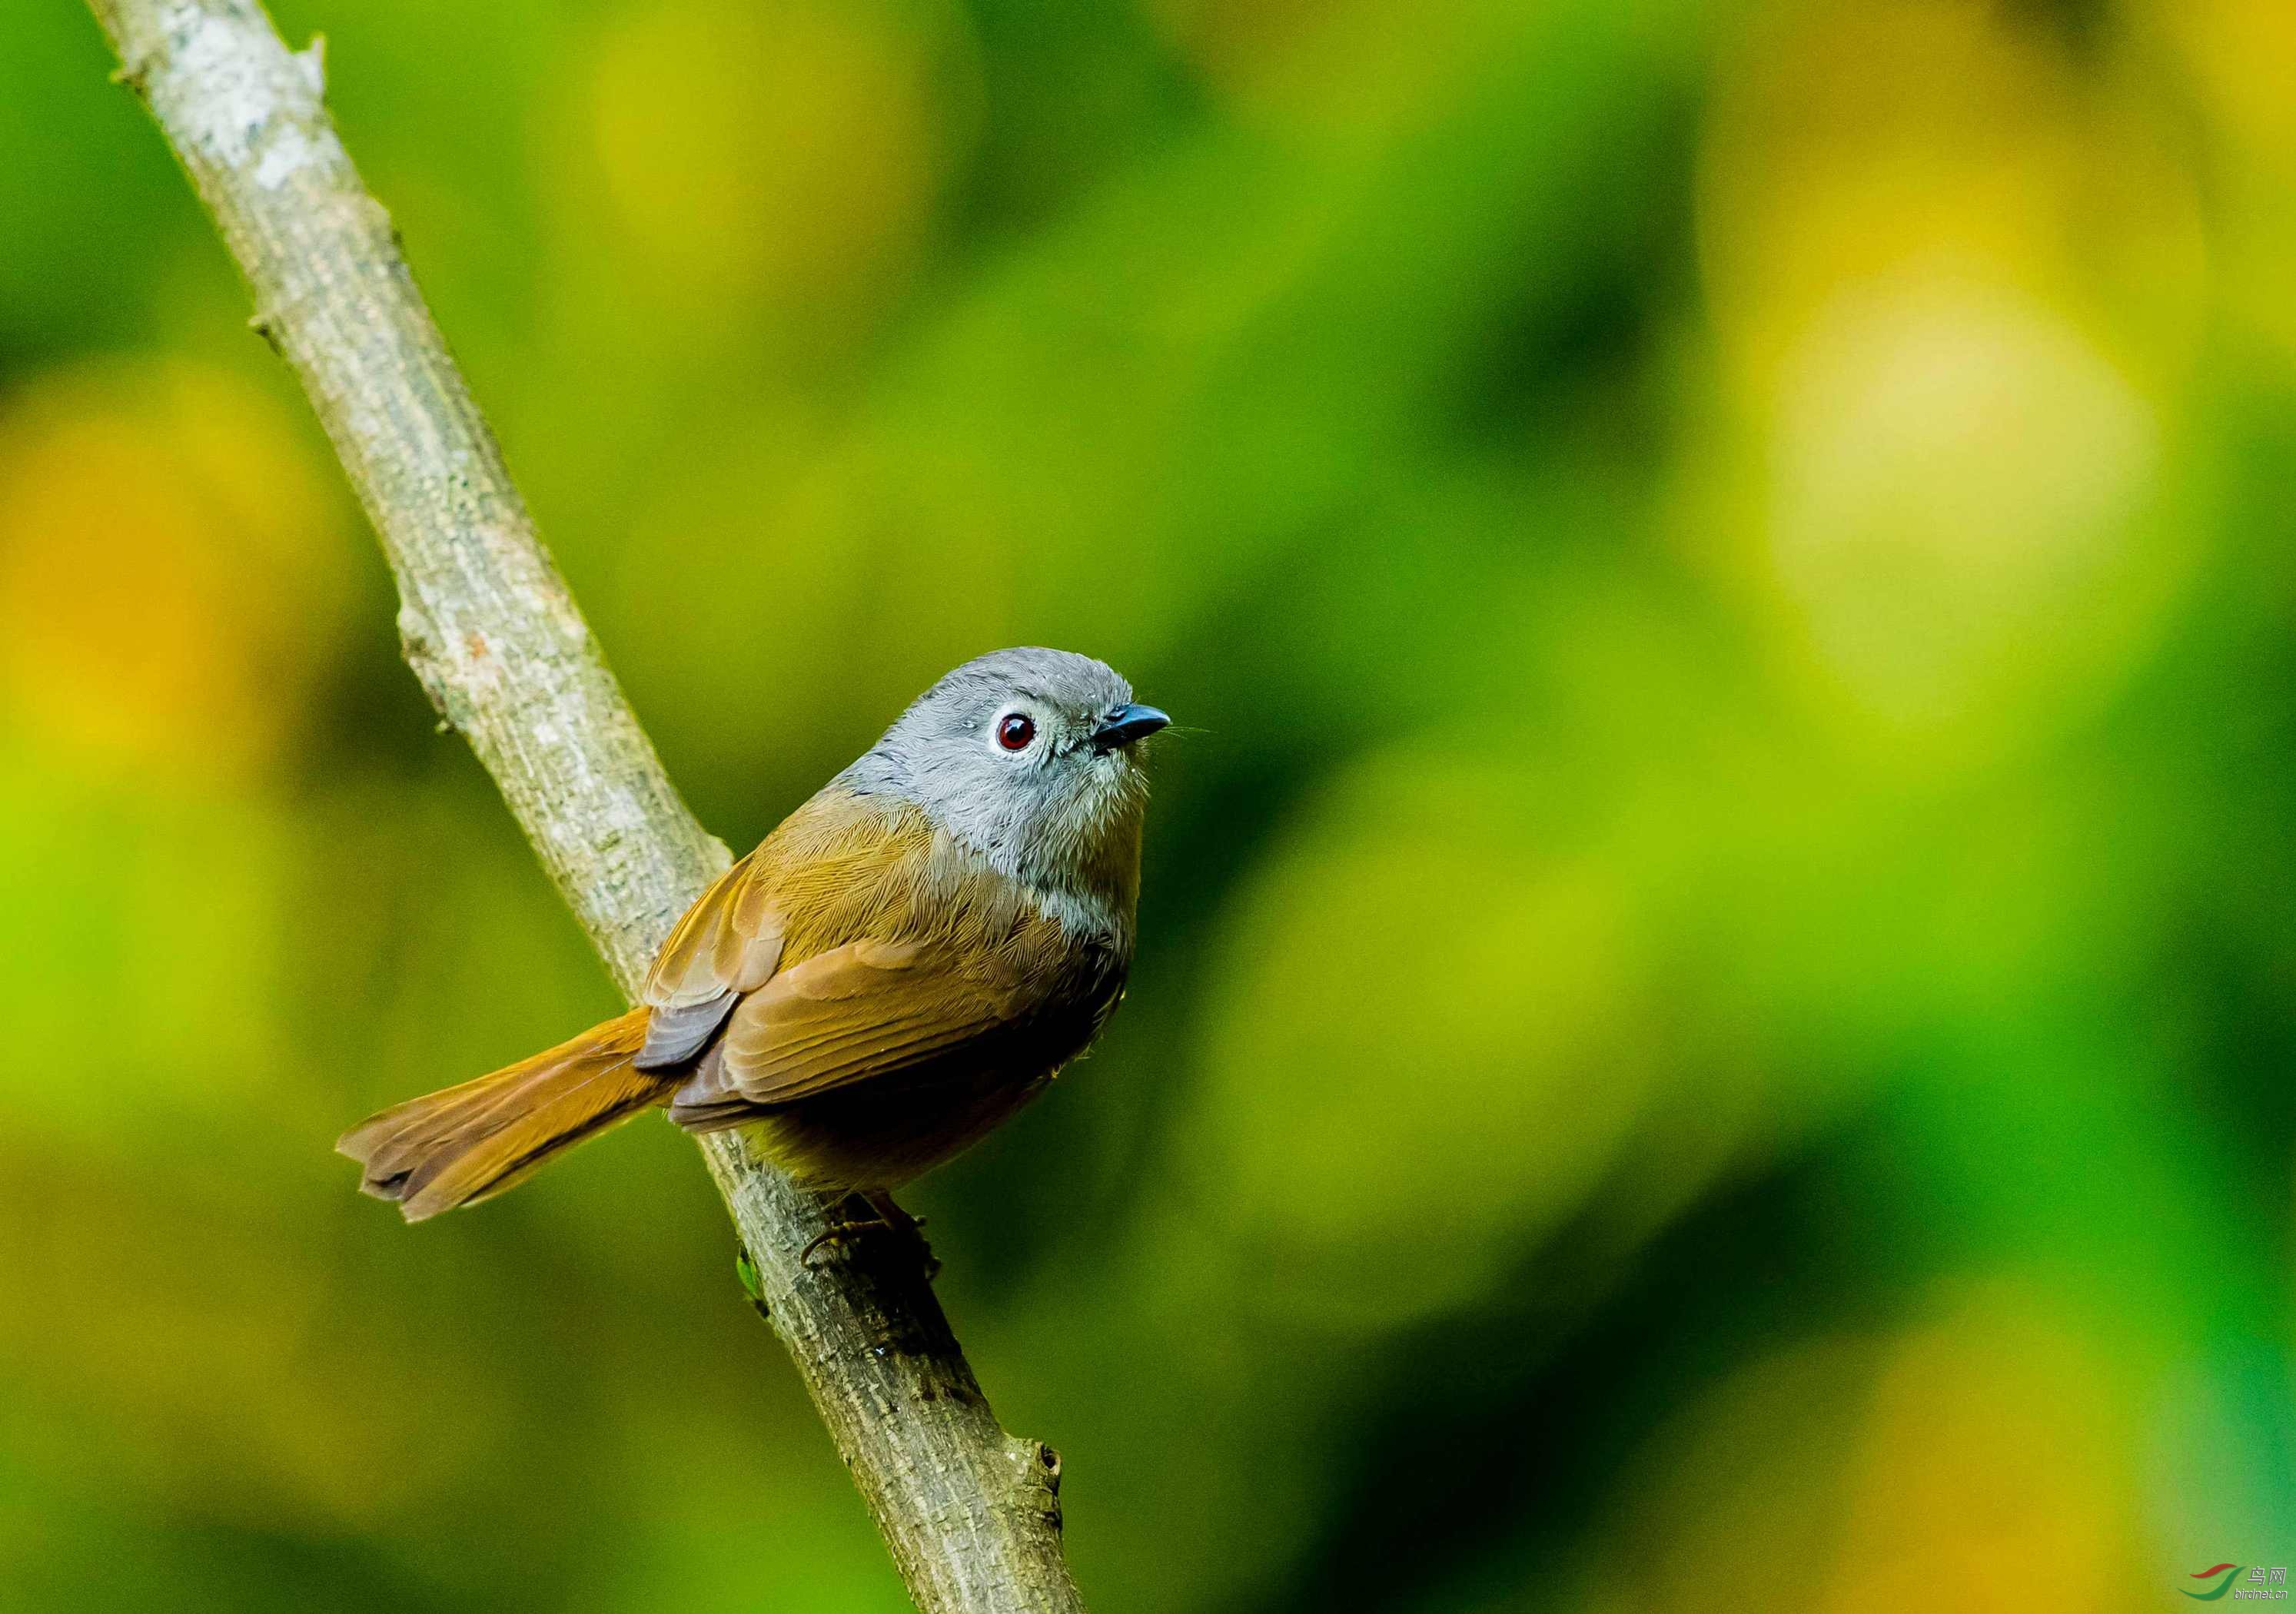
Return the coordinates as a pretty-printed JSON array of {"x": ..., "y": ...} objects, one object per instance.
[
  {"x": 912, "y": 1228},
  {"x": 884, "y": 1215}
]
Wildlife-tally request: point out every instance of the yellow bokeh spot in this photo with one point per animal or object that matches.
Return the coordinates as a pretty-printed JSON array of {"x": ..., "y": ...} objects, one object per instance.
[
  {"x": 2241, "y": 58},
  {"x": 1993, "y": 1446},
  {"x": 1955, "y": 278},
  {"x": 2242, "y": 54},
  {"x": 1979, "y": 1457},
  {"x": 1854, "y": 144},
  {"x": 1954, "y": 480},
  {"x": 170, "y": 568},
  {"x": 782, "y": 155}
]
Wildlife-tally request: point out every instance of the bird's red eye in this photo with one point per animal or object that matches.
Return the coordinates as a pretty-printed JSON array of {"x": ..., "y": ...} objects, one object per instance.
[{"x": 1014, "y": 730}]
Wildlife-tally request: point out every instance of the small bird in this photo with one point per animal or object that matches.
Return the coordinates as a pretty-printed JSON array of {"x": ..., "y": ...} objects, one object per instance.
[{"x": 901, "y": 965}]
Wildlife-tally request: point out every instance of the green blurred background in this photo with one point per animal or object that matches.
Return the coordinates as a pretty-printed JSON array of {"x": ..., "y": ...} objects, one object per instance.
[{"x": 1719, "y": 978}]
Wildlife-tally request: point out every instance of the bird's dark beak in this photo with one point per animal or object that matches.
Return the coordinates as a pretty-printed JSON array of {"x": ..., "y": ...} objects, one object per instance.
[{"x": 1126, "y": 725}]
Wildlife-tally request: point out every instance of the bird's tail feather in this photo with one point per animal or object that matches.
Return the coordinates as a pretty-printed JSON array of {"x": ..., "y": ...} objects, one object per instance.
[{"x": 467, "y": 1143}]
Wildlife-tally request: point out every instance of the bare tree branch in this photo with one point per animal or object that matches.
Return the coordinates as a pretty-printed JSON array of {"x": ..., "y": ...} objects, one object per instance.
[{"x": 970, "y": 1512}]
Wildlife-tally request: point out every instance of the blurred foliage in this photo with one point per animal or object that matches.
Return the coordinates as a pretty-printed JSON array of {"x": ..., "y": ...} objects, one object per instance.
[{"x": 1719, "y": 976}]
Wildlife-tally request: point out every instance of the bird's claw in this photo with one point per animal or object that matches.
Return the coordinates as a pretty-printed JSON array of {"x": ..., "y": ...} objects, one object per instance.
[{"x": 882, "y": 1214}]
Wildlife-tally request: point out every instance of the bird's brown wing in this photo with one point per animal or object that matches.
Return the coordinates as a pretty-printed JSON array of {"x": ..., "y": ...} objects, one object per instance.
[
  {"x": 841, "y": 867},
  {"x": 729, "y": 942},
  {"x": 865, "y": 1010}
]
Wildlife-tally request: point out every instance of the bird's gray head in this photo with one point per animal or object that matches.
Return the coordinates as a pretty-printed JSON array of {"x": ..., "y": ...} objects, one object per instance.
[{"x": 1031, "y": 758}]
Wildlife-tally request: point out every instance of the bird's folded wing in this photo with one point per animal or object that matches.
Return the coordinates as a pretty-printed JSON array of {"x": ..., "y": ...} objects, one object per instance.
[
  {"x": 835, "y": 869},
  {"x": 729, "y": 943},
  {"x": 867, "y": 1009}
]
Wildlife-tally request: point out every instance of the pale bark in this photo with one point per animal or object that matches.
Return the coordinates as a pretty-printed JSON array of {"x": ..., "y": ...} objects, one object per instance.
[{"x": 970, "y": 1512}]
